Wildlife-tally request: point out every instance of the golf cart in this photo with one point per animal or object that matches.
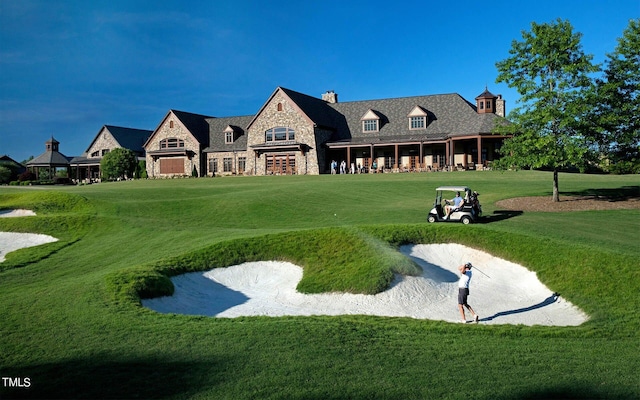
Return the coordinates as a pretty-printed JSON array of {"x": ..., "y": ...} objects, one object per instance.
[{"x": 467, "y": 212}]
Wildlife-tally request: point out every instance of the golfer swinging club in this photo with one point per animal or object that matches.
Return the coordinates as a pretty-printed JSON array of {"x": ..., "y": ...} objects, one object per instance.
[{"x": 463, "y": 292}]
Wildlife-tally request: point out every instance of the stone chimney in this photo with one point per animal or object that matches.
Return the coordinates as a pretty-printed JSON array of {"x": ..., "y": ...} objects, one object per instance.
[
  {"x": 330, "y": 97},
  {"x": 501, "y": 107}
]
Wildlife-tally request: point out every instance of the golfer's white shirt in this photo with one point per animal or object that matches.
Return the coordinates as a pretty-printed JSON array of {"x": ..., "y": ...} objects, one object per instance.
[{"x": 464, "y": 280}]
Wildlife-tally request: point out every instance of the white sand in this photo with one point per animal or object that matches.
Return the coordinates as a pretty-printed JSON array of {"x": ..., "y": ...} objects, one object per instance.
[
  {"x": 16, "y": 213},
  {"x": 510, "y": 294},
  {"x": 11, "y": 241}
]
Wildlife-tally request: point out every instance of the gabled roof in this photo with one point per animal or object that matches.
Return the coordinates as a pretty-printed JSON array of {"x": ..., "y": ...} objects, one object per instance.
[
  {"x": 217, "y": 127},
  {"x": 313, "y": 108},
  {"x": 196, "y": 124},
  {"x": 128, "y": 138}
]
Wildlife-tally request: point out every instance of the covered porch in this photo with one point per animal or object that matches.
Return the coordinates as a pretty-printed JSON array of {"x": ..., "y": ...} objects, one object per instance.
[{"x": 456, "y": 153}]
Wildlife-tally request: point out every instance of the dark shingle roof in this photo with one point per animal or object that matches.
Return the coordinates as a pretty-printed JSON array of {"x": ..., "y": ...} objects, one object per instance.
[
  {"x": 129, "y": 138},
  {"x": 315, "y": 108},
  {"x": 50, "y": 158},
  {"x": 217, "y": 138},
  {"x": 448, "y": 115},
  {"x": 196, "y": 124}
]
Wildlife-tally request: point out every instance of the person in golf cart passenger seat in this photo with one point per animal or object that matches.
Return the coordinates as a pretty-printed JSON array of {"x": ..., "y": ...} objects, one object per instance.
[{"x": 457, "y": 201}]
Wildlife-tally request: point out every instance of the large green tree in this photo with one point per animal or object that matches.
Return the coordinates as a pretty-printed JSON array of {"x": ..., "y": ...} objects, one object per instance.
[
  {"x": 550, "y": 71},
  {"x": 616, "y": 103},
  {"x": 118, "y": 164}
]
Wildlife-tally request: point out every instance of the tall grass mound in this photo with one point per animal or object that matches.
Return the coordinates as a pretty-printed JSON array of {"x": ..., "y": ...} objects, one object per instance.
[{"x": 333, "y": 260}]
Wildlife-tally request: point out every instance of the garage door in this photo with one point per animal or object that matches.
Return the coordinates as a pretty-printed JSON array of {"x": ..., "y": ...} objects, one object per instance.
[{"x": 172, "y": 166}]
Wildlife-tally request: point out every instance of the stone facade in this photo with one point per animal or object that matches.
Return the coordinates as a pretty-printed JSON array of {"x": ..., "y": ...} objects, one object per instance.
[
  {"x": 281, "y": 111},
  {"x": 103, "y": 144},
  {"x": 190, "y": 154}
]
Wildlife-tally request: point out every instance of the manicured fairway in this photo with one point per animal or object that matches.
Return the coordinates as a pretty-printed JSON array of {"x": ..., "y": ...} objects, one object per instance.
[{"x": 71, "y": 321}]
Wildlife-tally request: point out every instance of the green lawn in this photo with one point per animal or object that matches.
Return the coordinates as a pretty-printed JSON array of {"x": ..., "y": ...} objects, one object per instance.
[{"x": 71, "y": 321}]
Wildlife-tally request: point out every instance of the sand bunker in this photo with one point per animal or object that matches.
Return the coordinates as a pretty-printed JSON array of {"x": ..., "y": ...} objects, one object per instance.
[
  {"x": 507, "y": 294},
  {"x": 11, "y": 241},
  {"x": 16, "y": 213}
]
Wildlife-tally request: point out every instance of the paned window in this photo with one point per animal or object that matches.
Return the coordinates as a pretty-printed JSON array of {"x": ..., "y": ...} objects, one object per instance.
[
  {"x": 213, "y": 165},
  {"x": 417, "y": 122},
  {"x": 171, "y": 143},
  {"x": 227, "y": 164},
  {"x": 279, "y": 134},
  {"x": 228, "y": 137},
  {"x": 242, "y": 164},
  {"x": 370, "y": 125}
]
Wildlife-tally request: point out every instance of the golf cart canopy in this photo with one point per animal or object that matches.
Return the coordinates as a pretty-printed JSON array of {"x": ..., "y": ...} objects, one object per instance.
[{"x": 454, "y": 188}]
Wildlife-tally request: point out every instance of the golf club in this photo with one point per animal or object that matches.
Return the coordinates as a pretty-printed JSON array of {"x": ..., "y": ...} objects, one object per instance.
[{"x": 476, "y": 268}]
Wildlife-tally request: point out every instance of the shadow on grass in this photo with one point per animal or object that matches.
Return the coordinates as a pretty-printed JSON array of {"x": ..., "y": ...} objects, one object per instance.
[
  {"x": 100, "y": 378},
  {"x": 624, "y": 193},
  {"x": 548, "y": 301},
  {"x": 499, "y": 215},
  {"x": 573, "y": 391}
]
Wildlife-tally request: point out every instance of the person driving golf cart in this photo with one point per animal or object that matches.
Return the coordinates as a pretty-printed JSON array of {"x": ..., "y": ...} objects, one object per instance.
[
  {"x": 465, "y": 209},
  {"x": 457, "y": 204}
]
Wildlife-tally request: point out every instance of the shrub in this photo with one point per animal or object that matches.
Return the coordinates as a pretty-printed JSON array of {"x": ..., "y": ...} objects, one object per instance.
[{"x": 27, "y": 176}]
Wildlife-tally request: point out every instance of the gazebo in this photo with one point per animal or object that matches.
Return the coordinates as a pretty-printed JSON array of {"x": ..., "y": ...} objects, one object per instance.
[{"x": 51, "y": 160}]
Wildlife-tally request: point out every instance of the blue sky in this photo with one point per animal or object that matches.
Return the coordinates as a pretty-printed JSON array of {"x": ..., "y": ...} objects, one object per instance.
[{"x": 69, "y": 67}]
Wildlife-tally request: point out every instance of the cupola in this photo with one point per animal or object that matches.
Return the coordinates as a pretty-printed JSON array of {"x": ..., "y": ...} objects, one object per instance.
[
  {"x": 489, "y": 103},
  {"x": 52, "y": 144}
]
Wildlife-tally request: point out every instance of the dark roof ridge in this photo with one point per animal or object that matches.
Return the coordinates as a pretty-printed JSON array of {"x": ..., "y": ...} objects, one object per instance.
[
  {"x": 191, "y": 113},
  {"x": 400, "y": 98}
]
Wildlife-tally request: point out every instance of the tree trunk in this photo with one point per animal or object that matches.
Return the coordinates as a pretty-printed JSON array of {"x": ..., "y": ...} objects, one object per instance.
[{"x": 556, "y": 195}]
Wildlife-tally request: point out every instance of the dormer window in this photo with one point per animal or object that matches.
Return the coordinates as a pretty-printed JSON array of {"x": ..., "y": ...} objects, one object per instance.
[
  {"x": 370, "y": 125},
  {"x": 370, "y": 122},
  {"x": 229, "y": 135},
  {"x": 417, "y": 118}
]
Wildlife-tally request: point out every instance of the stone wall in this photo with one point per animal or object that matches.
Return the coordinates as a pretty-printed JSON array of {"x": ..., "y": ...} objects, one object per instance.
[
  {"x": 286, "y": 115},
  {"x": 235, "y": 157},
  {"x": 104, "y": 141},
  {"x": 178, "y": 131}
]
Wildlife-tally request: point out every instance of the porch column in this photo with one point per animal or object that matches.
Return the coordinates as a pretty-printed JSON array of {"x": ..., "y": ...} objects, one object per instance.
[
  {"x": 421, "y": 156},
  {"x": 448, "y": 152},
  {"x": 349, "y": 158},
  {"x": 370, "y": 158},
  {"x": 479, "y": 160},
  {"x": 397, "y": 164}
]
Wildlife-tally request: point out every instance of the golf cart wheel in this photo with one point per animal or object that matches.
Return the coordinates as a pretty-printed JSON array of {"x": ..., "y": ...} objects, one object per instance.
[
  {"x": 465, "y": 220},
  {"x": 431, "y": 219}
]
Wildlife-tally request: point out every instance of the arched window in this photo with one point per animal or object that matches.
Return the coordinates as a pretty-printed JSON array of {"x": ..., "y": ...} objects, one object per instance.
[
  {"x": 171, "y": 143},
  {"x": 279, "y": 134}
]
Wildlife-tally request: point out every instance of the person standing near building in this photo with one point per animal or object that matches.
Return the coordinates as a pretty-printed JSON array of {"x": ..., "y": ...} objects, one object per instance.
[{"x": 463, "y": 292}]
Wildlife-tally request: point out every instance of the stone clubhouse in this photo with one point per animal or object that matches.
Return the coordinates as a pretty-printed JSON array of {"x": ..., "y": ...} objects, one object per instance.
[{"x": 294, "y": 133}]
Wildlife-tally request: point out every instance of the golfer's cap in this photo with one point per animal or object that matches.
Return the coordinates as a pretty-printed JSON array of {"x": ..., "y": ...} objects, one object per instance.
[{"x": 468, "y": 265}]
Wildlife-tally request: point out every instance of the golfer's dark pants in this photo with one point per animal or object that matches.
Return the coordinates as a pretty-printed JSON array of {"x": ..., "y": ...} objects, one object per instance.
[{"x": 462, "y": 296}]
